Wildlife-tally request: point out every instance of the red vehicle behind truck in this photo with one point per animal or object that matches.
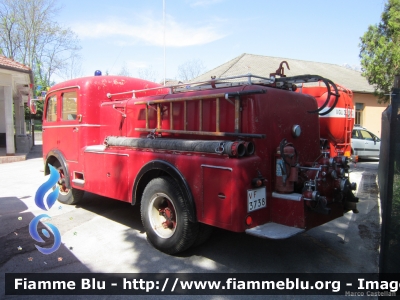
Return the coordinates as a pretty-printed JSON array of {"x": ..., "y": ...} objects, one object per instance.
[{"x": 241, "y": 153}]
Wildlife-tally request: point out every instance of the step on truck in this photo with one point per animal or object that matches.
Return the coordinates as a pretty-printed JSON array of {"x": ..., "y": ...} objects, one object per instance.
[{"x": 242, "y": 153}]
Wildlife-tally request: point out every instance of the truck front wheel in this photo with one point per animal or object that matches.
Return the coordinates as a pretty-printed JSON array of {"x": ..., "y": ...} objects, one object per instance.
[
  {"x": 66, "y": 195},
  {"x": 165, "y": 216}
]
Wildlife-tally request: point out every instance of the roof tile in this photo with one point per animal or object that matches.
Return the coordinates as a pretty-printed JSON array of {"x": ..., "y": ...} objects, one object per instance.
[
  {"x": 8, "y": 62},
  {"x": 261, "y": 65}
]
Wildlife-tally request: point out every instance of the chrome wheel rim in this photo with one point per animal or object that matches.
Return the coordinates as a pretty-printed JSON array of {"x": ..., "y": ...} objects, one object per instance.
[{"x": 162, "y": 215}]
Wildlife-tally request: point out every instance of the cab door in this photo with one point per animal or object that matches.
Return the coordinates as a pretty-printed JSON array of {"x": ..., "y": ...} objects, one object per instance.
[
  {"x": 50, "y": 124},
  {"x": 372, "y": 143},
  {"x": 69, "y": 125}
]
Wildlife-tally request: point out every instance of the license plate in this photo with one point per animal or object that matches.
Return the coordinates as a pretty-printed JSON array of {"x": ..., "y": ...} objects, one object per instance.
[{"x": 256, "y": 199}]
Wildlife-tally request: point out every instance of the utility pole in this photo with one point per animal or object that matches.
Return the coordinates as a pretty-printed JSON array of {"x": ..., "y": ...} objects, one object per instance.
[{"x": 164, "y": 41}]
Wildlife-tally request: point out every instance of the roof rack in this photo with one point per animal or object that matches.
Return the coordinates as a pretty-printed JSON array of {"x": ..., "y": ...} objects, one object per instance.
[{"x": 205, "y": 85}]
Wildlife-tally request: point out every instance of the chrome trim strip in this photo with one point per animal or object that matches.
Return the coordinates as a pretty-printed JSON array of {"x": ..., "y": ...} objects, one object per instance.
[
  {"x": 217, "y": 167},
  {"x": 95, "y": 148},
  {"x": 292, "y": 196},
  {"x": 109, "y": 153},
  {"x": 64, "y": 88},
  {"x": 72, "y": 125},
  {"x": 112, "y": 153},
  {"x": 78, "y": 182}
]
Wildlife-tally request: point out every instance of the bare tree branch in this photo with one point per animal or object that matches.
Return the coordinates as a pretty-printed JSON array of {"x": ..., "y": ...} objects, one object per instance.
[
  {"x": 124, "y": 71},
  {"x": 30, "y": 35},
  {"x": 148, "y": 74},
  {"x": 10, "y": 36},
  {"x": 190, "y": 69}
]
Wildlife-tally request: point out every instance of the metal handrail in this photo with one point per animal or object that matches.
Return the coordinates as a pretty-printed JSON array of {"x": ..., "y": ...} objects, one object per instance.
[{"x": 211, "y": 82}]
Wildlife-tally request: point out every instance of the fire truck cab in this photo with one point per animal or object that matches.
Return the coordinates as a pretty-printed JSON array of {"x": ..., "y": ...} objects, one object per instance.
[{"x": 241, "y": 153}]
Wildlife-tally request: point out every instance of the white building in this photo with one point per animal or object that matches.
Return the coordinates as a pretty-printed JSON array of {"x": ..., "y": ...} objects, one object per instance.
[{"x": 16, "y": 86}]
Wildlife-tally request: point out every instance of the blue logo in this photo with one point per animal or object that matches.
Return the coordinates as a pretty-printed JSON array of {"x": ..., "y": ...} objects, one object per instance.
[
  {"x": 40, "y": 202},
  {"x": 35, "y": 235},
  {"x": 45, "y": 187}
]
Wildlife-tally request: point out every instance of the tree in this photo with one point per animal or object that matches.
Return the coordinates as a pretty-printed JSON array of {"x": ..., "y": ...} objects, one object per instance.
[
  {"x": 148, "y": 74},
  {"x": 380, "y": 51},
  {"x": 29, "y": 34},
  {"x": 190, "y": 69},
  {"x": 124, "y": 71},
  {"x": 73, "y": 69}
]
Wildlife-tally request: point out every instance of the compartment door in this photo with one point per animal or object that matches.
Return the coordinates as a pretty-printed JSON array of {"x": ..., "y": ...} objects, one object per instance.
[{"x": 217, "y": 194}]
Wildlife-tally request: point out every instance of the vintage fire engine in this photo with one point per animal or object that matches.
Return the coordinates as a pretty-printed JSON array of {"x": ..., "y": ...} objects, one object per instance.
[{"x": 240, "y": 153}]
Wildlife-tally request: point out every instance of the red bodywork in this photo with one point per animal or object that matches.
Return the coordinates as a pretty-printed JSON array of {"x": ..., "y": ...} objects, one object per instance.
[{"x": 218, "y": 184}]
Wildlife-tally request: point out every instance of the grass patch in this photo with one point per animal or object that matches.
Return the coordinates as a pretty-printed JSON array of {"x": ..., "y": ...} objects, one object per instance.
[{"x": 36, "y": 123}]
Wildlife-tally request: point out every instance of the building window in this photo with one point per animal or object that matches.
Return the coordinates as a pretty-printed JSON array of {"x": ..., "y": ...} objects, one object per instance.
[
  {"x": 52, "y": 109},
  {"x": 359, "y": 111},
  {"x": 69, "y": 106}
]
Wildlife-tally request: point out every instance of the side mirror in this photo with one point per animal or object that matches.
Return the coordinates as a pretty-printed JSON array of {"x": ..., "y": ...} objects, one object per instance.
[{"x": 33, "y": 106}]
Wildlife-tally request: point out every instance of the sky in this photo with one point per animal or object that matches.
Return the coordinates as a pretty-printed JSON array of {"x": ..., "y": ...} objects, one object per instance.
[{"x": 130, "y": 33}]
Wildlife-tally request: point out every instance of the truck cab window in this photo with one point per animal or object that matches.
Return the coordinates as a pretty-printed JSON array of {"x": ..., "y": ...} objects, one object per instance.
[
  {"x": 51, "y": 115},
  {"x": 69, "y": 106}
]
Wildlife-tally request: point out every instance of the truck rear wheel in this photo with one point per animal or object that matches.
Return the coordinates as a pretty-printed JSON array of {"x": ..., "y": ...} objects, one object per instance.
[
  {"x": 66, "y": 195},
  {"x": 165, "y": 216},
  {"x": 205, "y": 232}
]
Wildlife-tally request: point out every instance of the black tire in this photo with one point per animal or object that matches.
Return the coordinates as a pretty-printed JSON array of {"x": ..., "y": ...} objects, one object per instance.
[
  {"x": 165, "y": 216},
  {"x": 69, "y": 196},
  {"x": 205, "y": 232}
]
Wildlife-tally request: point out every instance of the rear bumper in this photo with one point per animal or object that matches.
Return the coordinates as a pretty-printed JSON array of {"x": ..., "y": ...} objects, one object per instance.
[{"x": 274, "y": 231}]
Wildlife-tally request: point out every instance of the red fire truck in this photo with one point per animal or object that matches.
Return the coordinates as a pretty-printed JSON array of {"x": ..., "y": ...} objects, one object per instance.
[{"x": 240, "y": 153}]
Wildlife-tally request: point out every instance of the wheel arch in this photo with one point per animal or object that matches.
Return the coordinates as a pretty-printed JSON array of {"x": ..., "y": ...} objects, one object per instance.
[
  {"x": 51, "y": 158},
  {"x": 157, "y": 168}
]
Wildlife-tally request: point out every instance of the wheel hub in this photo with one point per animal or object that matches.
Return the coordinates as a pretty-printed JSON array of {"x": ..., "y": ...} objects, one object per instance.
[
  {"x": 162, "y": 215},
  {"x": 168, "y": 215},
  {"x": 61, "y": 182}
]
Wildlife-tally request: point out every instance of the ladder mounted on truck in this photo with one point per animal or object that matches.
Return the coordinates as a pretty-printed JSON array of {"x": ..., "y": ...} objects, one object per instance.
[
  {"x": 232, "y": 98},
  {"x": 283, "y": 83},
  {"x": 349, "y": 118},
  {"x": 237, "y": 131}
]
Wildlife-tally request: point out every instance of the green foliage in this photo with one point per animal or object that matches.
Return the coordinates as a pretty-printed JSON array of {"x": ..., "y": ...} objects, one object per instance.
[
  {"x": 30, "y": 34},
  {"x": 380, "y": 51},
  {"x": 41, "y": 85}
]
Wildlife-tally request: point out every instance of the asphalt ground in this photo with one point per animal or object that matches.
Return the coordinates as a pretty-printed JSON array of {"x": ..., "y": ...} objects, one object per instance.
[{"x": 106, "y": 236}]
